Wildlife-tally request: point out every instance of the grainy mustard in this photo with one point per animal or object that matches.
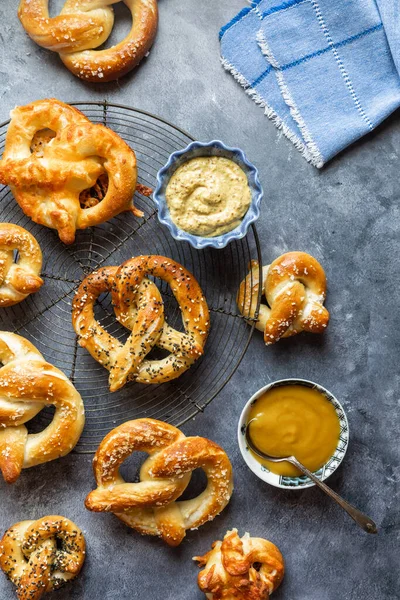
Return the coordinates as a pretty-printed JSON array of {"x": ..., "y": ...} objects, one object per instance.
[{"x": 208, "y": 196}]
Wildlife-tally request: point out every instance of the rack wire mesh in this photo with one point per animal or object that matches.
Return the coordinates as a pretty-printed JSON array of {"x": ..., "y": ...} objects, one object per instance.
[{"x": 45, "y": 318}]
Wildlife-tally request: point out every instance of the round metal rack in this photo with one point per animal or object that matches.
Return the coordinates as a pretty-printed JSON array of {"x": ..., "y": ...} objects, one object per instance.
[{"x": 45, "y": 317}]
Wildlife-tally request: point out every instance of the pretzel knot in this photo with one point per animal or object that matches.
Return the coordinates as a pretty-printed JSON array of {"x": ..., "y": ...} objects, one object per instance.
[
  {"x": 53, "y": 155},
  {"x": 18, "y": 278},
  {"x": 139, "y": 307},
  {"x": 27, "y": 384},
  {"x": 240, "y": 568},
  {"x": 295, "y": 288},
  {"x": 42, "y": 556},
  {"x": 150, "y": 506},
  {"x": 83, "y": 26}
]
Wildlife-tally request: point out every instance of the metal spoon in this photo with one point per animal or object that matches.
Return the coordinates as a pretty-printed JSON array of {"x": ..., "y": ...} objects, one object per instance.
[{"x": 362, "y": 520}]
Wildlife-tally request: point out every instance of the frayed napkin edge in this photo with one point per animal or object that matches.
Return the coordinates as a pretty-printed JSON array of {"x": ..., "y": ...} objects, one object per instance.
[
  {"x": 270, "y": 113},
  {"x": 311, "y": 151}
]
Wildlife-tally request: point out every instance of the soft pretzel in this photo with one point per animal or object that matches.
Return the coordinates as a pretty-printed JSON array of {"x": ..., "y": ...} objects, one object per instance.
[
  {"x": 139, "y": 307},
  {"x": 27, "y": 384},
  {"x": 240, "y": 568},
  {"x": 67, "y": 161},
  {"x": 42, "y": 556},
  {"x": 150, "y": 506},
  {"x": 84, "y": 25},
  {"x": 294, "y": 286},
  {"x": 18, "y": 278}
]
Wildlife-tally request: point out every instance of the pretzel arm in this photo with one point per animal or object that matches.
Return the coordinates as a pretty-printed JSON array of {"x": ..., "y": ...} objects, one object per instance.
[
  {"x": 193, "y": 453},
  {"x": 73, "y": 30},
  {"x": 161, "y": 371},
  {"x": 91, "y": 335},
  {"x": 287, "y": 302},
  {"x": 12, "y": 452},
  {"x": 35, "y": 581},
  {"x": 183, "y": 353},
  {"x": 247, "y": 297},
  {"x": 118, "y": 161},
  {"x": 146, "y": 330},
  {"x": 15, "y": 411},
  {"x": 176, "y": 341},
  {"x": 23, "y": 281},
  {"x": 131, "y": 495}
]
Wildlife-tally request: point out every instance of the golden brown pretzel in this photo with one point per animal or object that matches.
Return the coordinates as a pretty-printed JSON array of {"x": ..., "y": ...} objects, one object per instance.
[
  {"x": 294, "y": 286},
  {"x": 48, "y": 182},
  {"x": 28, "y": 383},
  {"x": 84, "y": 25},
  {"x": 240, "y": 568},
  {"x": 139, "y": 307},
  {"x": 151, "y": 506},
  {"x": 32, "y": 559},
  {"x": 18, "y": 278}
]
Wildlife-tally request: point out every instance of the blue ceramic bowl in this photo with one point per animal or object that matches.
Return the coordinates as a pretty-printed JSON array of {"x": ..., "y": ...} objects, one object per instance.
[{"x": 215, "y": 148}]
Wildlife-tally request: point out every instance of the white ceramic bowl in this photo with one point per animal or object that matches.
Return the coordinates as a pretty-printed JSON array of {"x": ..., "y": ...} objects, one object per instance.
[{"x": 294, "y": 483}]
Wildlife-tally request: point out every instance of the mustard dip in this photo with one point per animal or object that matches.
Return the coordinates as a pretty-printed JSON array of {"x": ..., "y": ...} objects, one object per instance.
[
  {"x": 208, "y": 196},
  {"x": 294, "y": 420}
]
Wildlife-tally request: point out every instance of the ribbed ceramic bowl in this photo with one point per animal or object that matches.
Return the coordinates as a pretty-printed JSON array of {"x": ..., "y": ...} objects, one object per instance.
[
  {"x": 293, "y": 483},
  {"x": 214, "y": 148}
]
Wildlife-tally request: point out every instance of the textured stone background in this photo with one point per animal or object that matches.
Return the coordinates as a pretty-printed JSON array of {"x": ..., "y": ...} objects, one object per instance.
[{"x": 348, "y": 217}]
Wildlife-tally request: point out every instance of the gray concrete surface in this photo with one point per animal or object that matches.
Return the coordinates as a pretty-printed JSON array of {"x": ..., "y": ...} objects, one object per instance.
[{"x": 348, "y": 217}]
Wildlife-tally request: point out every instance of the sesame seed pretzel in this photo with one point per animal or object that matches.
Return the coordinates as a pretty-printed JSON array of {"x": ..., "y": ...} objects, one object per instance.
[
  {"x": 27, "y": 384},
  {"x": 31, "y": 559},
  {"x": 139, "y": 307},
  {"x": 48, "y": 174},
  {"x": 294, "y": 286},
  {"x": 150, "y": 506},
  {"x": 18, "y": 278},
  {"x": 230, "y": 573},
  {"x": 82, "y": 26}
]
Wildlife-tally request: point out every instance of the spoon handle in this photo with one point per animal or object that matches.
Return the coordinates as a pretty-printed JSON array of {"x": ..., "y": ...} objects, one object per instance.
[{"x": 360, "y": 518}]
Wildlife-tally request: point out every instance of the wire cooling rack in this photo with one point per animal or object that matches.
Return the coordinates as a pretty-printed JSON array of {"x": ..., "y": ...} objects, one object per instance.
[{"x": 45, "y": 318}]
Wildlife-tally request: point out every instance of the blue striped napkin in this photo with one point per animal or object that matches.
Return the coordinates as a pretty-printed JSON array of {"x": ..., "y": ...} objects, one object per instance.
[{"x": 324, "y": 70}]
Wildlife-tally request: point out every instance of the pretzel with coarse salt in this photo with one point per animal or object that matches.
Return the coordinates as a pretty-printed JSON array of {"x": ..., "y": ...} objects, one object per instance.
[
  {"x": 294, "y": 286},
  {"x": 83, "y": 26},
  {"x": 18, "y": 278},
  {"x": 27, "y": 384},
  {"x": 237, "y": 568},
  {"x": 49, "y": 174},
  {"x": 139, "y": 307},
  {"x": 42, "y": 556},
  {"x": 151, "y": 506}
]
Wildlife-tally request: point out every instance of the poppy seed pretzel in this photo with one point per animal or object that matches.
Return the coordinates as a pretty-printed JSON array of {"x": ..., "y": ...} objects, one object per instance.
[
  {"x": 294, "y": 286},
  {"x": 83, "y": 26},
  {"x": 32, "y": 559},
  {"x": 48, "y": 174},
  {"x": 27, "y": 384},
  {"x": 229, "y": 568},
  {"x": 150, "y": 506},
  {"x": 18, "y": 278},
  {"x": 139, "y": 307}
]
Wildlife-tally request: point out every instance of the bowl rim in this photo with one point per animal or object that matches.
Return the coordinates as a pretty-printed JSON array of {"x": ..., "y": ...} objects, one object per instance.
[
  {"x": 302, "y": 482},
  {"x": 221, "y": 241}
]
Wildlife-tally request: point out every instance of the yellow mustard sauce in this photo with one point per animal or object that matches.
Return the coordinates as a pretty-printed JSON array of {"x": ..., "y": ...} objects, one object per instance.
[
  {"x": 208, "y": 196},
  {"x": 294, "y": 420}
]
